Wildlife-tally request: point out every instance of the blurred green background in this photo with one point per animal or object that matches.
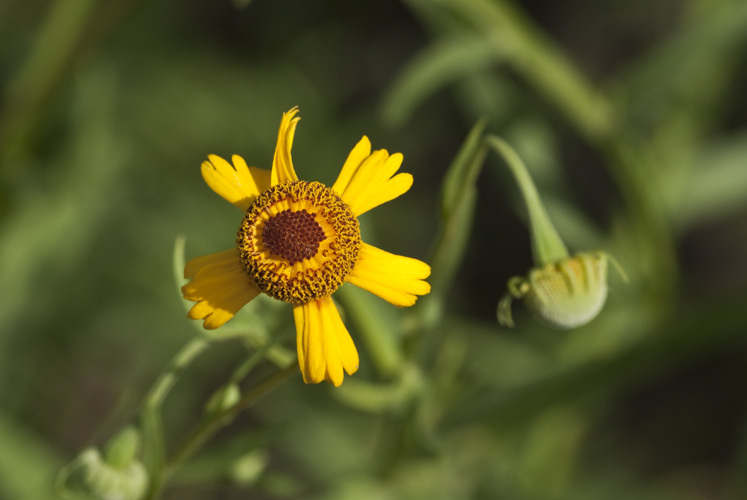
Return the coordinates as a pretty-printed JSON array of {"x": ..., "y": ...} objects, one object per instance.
[{"x": 631, "y": 116}]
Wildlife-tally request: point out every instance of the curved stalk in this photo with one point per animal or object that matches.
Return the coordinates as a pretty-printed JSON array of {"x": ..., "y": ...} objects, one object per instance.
[{"x": 547, "y": 247}]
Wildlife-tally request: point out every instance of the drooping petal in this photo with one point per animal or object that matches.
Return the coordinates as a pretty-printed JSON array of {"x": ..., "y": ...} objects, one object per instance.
[
  {"x": 359, "y": 153},
  {"x": 394, "y": 278},
  {"x": 282, "y": 163},
  {"x": 324, "y": 345},
  {"x": 371, "y": 183},
  {"x": 219, "y": 286},
  {"x": 237, "y": 184}
]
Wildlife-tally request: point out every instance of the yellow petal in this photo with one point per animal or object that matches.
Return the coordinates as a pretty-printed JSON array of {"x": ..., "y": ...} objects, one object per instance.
[
  {"x": 219, "y": 286},
  {"x": 348, "y": 354},
  {"x": 301, "y": 336},
  {"x": 282, "y": 163},
  {"x": 308, "y": 343},
  {"x": 259, "y": 177},
  {"x": 371, "y": 183},
  {"x": 219, "y": 315},
  {"x": 324, "y": 345},
  {"x": 331, "y": 350},
  {"x": 226, "y": 257},
  {"x": 236, "y": 184},
  {"x": 363, "y": 176},
  {"x": 394, "y": 278},
  {"x": 359, "y": 153},
  {"x": 377, "y": 195}
]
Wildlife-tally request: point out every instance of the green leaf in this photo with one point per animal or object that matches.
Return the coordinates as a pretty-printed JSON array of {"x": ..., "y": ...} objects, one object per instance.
[
  {"x": 379, "y": 398},
  {"x": 463, "y": 171},
  {"x": 54, "y": 47},
  {"x": 710, "y": 328},
  {"x": 680, "y": 71},
  {"x": 535, "y": 57},
  {"x": 177, "y": 262},
  {"x": 443, "y": 62},
  {"x": 457, "y": 210},
  {"x": 718, "y": 184}
]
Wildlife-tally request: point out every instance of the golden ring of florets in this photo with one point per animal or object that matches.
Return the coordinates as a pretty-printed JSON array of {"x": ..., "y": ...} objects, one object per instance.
[{"x": 298, "y": 241}]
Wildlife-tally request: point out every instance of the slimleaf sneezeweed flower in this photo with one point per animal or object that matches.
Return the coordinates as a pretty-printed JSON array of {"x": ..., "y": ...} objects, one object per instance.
[{"x": 300, "y": 241}]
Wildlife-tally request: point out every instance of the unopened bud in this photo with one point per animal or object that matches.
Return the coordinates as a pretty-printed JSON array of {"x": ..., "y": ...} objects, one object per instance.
[
  {"x": 223, "y": 398},
  {"x": 123, "y": 448},
  {"x": 89, "y": 477},
  {"x": 566, "y": 294}
]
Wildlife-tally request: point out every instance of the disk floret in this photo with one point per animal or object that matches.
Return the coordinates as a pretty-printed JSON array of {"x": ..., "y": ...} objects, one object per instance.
[{"x": 298, "y": 241}]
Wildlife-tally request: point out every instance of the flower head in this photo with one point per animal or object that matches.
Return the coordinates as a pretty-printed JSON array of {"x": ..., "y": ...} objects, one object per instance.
[
  {"x": 565, "y": 294},
  {"x": 298, "y": 242}
]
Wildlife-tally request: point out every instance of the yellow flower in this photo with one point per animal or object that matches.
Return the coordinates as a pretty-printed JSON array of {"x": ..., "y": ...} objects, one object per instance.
[{"x": 298, "y": 242}]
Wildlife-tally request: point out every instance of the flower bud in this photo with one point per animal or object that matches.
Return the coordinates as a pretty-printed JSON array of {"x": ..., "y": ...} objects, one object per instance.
[
  {"x": 248, "y": 469},
  {"x": 122, "y": 449},
  {"x": 89, "y": 477},
  {"x": 566, "y": 294},
  {"x": 222, "y": 399},
  {"x": 561, "y": 291}
]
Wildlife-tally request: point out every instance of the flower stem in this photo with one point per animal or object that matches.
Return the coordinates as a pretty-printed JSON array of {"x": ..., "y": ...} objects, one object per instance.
[
  {"x": 547, "y": 247},
  {"x": 150, "y": 417},
  {"x": 209, "y": 427},
  {"x": 168, "y": 378},
  {"x": 261, "y": 353}
]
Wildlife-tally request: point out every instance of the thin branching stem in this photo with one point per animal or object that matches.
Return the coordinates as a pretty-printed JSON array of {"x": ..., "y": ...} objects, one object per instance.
[{"x": 209, "y": 427}]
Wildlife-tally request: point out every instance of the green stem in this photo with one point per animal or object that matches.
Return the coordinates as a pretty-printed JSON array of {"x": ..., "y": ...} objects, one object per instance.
[
  {"x": 537, "y": 58},
  {"x": 168, "y": 378},
  {"x": 547, "y": 247},
  {"x": 208, "y": 428},
  {"x": 261, "y": 353},
  {"x": 150, "y": 417}
]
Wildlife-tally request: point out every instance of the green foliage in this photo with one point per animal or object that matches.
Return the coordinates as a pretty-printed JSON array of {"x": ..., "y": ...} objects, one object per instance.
[{"x": 631, "y": 119}]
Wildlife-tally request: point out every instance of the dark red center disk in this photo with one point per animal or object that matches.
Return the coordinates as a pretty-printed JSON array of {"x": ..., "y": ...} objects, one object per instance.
[{"x": 293, "y": 235}]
